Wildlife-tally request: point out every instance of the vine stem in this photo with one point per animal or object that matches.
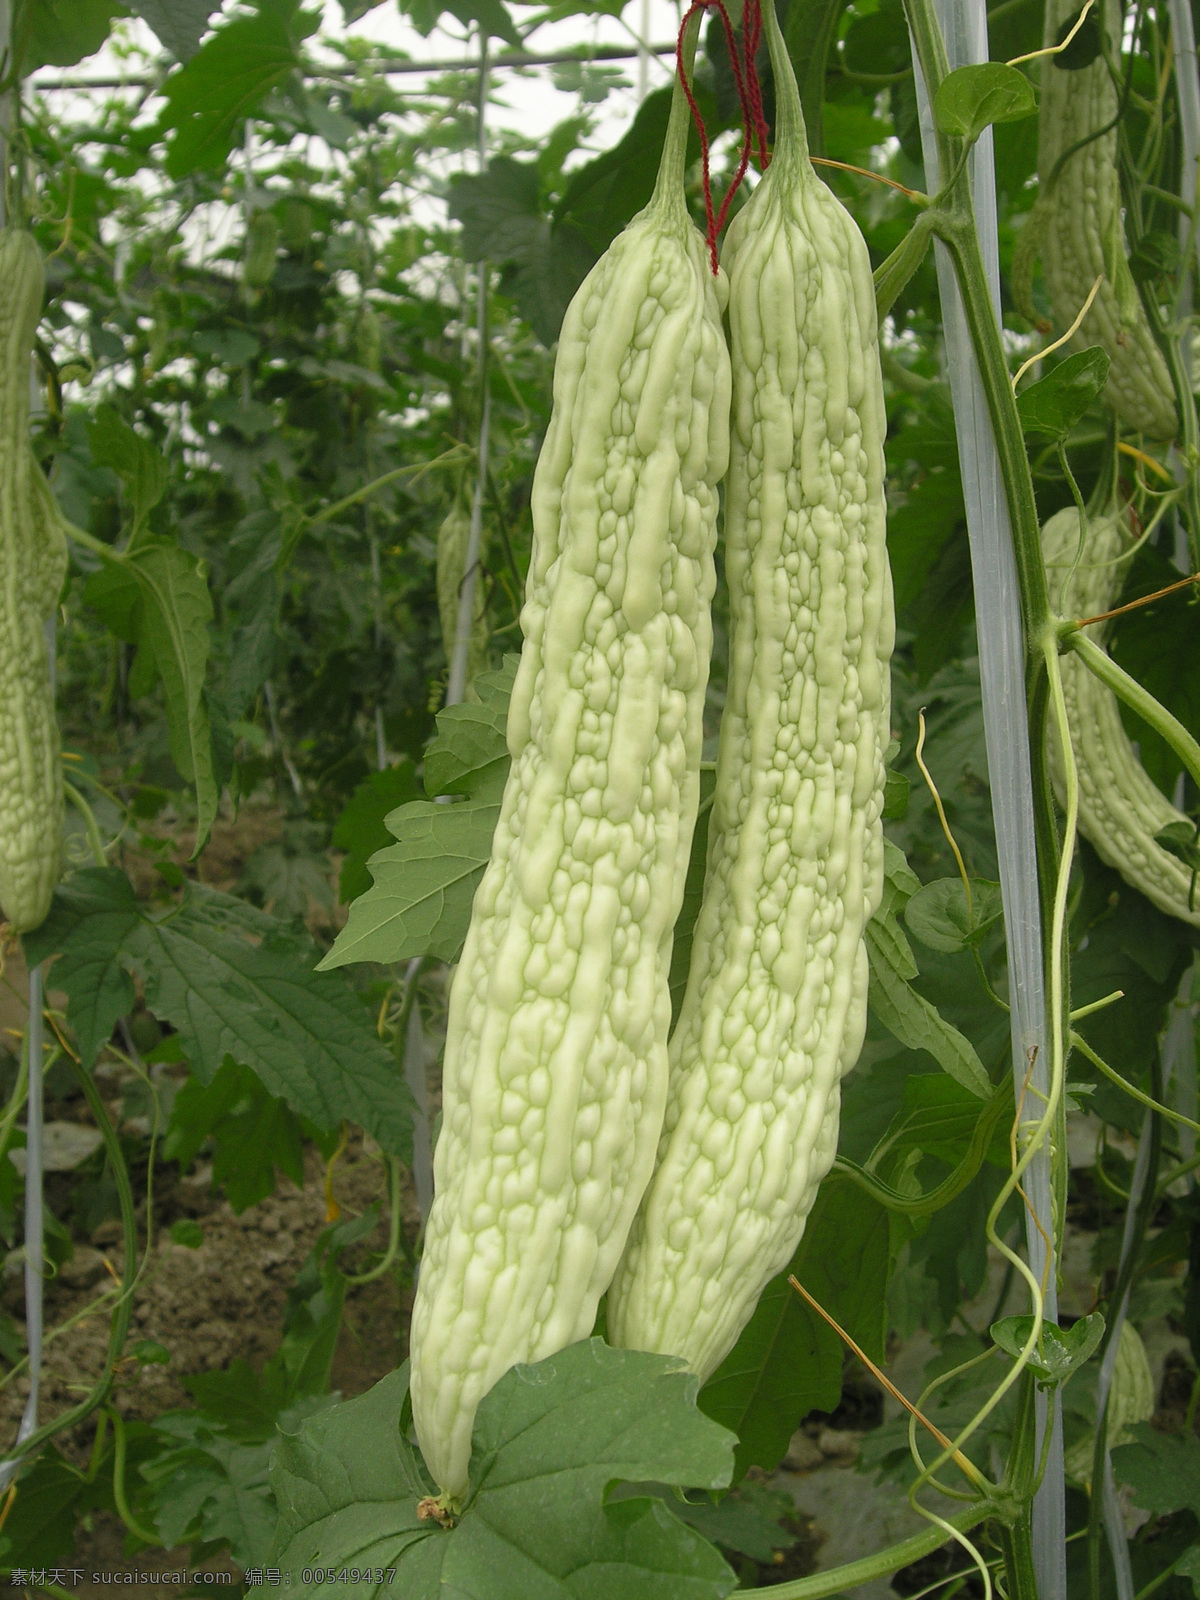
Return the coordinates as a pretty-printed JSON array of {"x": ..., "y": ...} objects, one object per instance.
[
  {"x": 1127, "y": 688},
  {"x": 869, "y": 1568}
]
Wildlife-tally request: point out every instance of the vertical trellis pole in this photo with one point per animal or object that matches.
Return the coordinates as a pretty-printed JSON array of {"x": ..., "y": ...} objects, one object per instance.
[
  {"x": 34, "y": 1215},
  {"x": 1002, "y": 674}
]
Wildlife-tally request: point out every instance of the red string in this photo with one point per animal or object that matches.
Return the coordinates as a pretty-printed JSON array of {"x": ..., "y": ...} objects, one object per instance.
[{"x": 749, "y": 91}]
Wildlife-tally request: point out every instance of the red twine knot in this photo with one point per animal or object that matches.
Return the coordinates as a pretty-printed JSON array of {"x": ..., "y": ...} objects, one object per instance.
[{"x": 749, "y": 90}]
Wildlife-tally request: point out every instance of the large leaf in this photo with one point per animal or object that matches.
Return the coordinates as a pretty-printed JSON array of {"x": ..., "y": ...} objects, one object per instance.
[
  {"x": 1062, "y": 1351},
  {"x": 503, "y": 221},
  {"x": 809, "y": 30},
  {"x": 1162, "y": 1470},
  {"x": 939, "y": 916},
  {"x": 548, "y": 1442},
  {"x": 788, "y": 1361},
  {"x": 141, "y": 466},
  {"x": 179, "y": 24},
  {"x": 176, "y": 612},
  {"x": 1123, "y": 943},
  {"x": 908, "y": 1016},
  {"x": 252, "y": 1131},
  {"x": 224, "y": 82},
  {"x": 602, "y": 196},
  {"x": 420, "y": 902},
  {"x": 1054, "y": 404},
  {"x": 1160, "y": 645},
  {"x": 360, "y": 830},
  {"x": 971, "y": 98},
  {"x": 233, "y": 982},
  {"x": 59, "y": 33},
  {"x": 157, "y": 597},
  {"x": 469, "y": 756},
  {"x": 490, "y": 16}
]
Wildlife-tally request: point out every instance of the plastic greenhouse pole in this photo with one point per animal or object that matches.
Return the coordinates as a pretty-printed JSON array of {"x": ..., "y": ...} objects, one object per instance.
[
  {"x": 34, "y": 1228},
  {"x": 1179, "y": 1046},
  {"x": 1006, "y": 731}
]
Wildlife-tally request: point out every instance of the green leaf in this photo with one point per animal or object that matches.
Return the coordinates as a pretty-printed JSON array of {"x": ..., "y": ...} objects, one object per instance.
[
  {"x": 937, "y": 914},
  {"x": 289, "y": 875},
  {"x": 736, "y": 1524},
  {"x": 141, "y": 467},
  {"x": 420, "y": 902},
  {"x": 810, "y": 28},
  {"x": 253, "y": 1132},
  {"x": 213, "y": 1488},
  {"x": 232, "y": 981},
  {"x": 149, "y": 1353},
  {"x": 469, "y": 755},
  {"x": 491, "y": 16},
  {"x": 1056, "y": 403},
  {"x": 360, "y": 830},
  {"x": 1162, "y": 1469},
  {"x": 602, "y": 196},
  {"x": 60, "y": 33},
  {"x": 502, "y": 219},
  {"x": 313, "y": 1315},
  {"x": 878, "y": 43},
  {"x": 179, "y": 24},
  {"x": 42, "y": 1530},
  {"x": 1155, "y": 257},
  {"x": 187, "y": 1232},
  {"x": 788, "y": 1361},
  {"x": 971, "y": 98},
  {"x": 910, "y": 1018},
  {"x": 940, "y": 1118},
  {"x": 1063, "y": 1350},
  {"x": 549, "y": 1440},
  {"x": 176, "y": 612},
  {"x": 156, "y": 596},
  {"x": 896, "y": 790},
  {"x": 886, "y": 931},
  {"x": 899, "y": 877},
  {"x": 1179, "y": 840},
  {"x": 91, "y": 919},
  {"x": 1120, "y": 941},
  {"x": 1083, "y": 49},
  {"x": 224, "y": 82}
]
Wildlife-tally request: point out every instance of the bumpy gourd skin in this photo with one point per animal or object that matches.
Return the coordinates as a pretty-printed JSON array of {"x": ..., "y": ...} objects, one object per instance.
[
  {"x": 775, "y": 1007},
  {"x": 555, "y": 1069},
  {"x": 1084, "y": 235},
  {"x": 1121, "y": 808},
  {"x": 33, "y": 563}
]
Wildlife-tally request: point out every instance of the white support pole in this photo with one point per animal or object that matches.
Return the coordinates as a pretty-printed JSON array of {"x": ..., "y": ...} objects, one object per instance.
[{"x": 1006, "y": 732}]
